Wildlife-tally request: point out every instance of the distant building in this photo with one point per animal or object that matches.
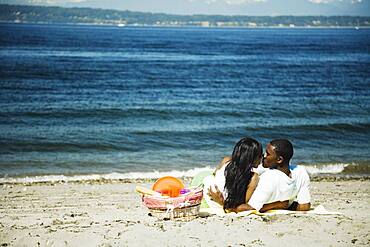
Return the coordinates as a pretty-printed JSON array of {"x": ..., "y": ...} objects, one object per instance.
[{"x": 204, "y": 23}]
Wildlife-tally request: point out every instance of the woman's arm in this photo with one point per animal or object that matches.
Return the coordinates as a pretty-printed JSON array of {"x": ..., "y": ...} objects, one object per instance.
[
  {"x": 248, "y": 194},
  {"x": 251, "y": 187},
  {"x": 223, "y": 162},
  {"x": 217, "y": 195}
]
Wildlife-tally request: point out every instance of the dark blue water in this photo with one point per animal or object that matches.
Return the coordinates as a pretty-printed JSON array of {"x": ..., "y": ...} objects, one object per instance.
[{"x": 91, "y": 99}]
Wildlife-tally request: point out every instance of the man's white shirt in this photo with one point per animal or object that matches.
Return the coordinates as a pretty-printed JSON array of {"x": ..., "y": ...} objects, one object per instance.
[{"x": 275, "y": 185}]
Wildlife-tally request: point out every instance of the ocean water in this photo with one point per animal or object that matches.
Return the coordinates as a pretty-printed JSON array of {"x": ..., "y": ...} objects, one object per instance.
[{"x": 139, "y": 102}]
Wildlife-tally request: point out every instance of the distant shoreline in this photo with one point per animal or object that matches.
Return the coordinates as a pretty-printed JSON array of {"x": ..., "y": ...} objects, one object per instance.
[
  {"x": 122, "y": 18},
  {"x": 179, "y": 26}
]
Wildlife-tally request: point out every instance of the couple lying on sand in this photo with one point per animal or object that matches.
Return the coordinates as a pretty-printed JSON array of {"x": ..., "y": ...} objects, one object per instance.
[{"x": 249, "y": 180}]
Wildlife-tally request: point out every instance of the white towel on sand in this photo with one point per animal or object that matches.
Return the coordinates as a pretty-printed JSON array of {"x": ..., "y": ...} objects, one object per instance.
[{"x": 319, "y": 210}]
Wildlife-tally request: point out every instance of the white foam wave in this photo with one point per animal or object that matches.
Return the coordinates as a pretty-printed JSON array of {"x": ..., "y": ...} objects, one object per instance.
[
  {"x": 328, "y": 168},
  {"x": 311, "y": 169},
  {"x": 109, "y": 176}
]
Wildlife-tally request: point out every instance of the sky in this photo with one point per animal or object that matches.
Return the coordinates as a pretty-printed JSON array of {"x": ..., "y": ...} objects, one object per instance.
[{"x": 223, "y": 7}]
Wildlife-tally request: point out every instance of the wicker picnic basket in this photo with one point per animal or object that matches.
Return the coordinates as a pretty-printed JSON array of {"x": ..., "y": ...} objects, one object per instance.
[{"x": 184, "y": 206}]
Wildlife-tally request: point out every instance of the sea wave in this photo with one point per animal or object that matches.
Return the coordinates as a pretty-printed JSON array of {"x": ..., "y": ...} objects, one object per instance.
[
  {"x": 314, "y": 170},
  {"x": 108, "y": 176},
  {"x": 326, "y": 169},
  {"x": 361, "y": 168}
]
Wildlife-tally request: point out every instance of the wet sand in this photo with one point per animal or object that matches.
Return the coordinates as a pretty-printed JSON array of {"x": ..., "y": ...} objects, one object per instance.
[{"x": 110, "y": 213}]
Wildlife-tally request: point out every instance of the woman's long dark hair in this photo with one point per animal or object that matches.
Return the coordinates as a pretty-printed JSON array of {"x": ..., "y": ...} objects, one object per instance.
[{"x": 238, "y": 172}]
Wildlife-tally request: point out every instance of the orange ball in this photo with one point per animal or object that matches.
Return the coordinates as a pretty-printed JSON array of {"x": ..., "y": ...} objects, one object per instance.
[{"x": 168, "y": 186}]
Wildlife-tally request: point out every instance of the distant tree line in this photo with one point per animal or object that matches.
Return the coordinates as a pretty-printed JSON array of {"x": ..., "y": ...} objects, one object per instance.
[{"x": 43, "y": 14}]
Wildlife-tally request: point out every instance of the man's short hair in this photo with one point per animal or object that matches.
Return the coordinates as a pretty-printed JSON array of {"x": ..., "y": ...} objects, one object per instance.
[{"x": 283, "y": 148}]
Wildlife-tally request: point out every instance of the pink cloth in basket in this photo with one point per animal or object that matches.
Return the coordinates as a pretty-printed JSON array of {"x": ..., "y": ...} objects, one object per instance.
[{"x": 191, "y": 199}]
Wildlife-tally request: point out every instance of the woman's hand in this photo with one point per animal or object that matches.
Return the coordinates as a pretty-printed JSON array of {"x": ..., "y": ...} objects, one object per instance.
[{"x": 216, "y": 196}]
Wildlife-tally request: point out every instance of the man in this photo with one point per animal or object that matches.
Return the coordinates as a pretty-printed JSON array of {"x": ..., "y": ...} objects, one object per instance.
[{"x": 279, "y": 182}]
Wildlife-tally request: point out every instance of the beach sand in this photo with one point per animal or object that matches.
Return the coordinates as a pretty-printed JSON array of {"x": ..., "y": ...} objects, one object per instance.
[{"x": 110, "y": 213}]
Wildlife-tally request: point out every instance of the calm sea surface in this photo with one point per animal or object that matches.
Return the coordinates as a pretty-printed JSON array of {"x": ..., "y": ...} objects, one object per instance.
[{"x": 95, "y": 100}]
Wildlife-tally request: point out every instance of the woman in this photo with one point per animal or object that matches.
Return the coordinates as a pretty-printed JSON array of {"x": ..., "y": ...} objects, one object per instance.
[{"x": 234, "y": 180}]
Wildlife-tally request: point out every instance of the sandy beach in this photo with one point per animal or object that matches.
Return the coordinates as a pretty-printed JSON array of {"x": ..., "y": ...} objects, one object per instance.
[{"x": 110, "y": 213}]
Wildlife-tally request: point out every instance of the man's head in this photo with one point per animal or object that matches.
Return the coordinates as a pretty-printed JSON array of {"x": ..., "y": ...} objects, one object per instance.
[{"x": 278, "y": 153}]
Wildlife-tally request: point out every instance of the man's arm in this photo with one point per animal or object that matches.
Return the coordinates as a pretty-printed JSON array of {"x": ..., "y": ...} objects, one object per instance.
[
  {"x": 266, "y": 207},
  {"x": 275, "y": 205},
  {"x": 261, "y": 195},
  {"x": 303, "y": 197},
  {"x": 300, "y": 207},
  {"x": 303, "y": 207},
  {"x": 217, "y": 196},
  {"x": 258, "y": 200}
]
